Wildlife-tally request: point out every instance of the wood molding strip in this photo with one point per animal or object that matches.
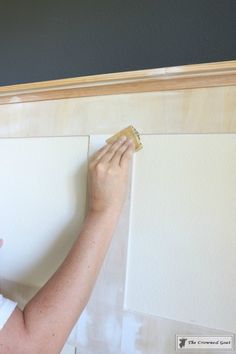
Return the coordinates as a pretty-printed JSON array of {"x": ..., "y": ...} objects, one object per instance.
[{"x": 150, "y": 80}]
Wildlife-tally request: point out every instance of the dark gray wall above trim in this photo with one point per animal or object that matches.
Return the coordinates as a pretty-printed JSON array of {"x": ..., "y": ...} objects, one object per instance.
[{"x": 53, "y": 39}]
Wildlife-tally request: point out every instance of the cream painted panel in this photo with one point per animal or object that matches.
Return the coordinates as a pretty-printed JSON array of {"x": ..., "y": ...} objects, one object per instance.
[
  {"x": 183, "y": 111},
  {"x": 182, "y": 247},
  {"x": 42, "y": 205}
]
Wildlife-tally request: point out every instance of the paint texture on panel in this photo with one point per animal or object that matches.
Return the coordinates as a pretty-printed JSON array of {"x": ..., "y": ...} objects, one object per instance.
[{"x": 182, "y": 261}]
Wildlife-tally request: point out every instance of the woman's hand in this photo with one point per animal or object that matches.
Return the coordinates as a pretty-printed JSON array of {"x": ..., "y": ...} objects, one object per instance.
[{"x": 108, "y": 176}]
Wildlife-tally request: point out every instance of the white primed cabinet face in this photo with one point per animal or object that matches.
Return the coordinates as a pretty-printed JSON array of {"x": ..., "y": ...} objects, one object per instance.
[
  {"x": 181, "y": 260},
  {"x": 42, "y": 204}
]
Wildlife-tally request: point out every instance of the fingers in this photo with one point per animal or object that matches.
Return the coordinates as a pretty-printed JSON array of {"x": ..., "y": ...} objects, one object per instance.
[
  {"x": 98, "y": 155},
  {"x": 119, "y": 152},
  {"x": 127, "y": 155},
  {"x": 107, "y": 157}
]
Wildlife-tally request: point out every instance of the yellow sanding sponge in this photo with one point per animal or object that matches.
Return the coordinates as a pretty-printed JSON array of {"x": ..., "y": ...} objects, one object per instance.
[{"x": 131, "y": 133}]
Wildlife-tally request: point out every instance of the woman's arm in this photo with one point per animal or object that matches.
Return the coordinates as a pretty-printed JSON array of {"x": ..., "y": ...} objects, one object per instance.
[{"x": 48, "y": 318}]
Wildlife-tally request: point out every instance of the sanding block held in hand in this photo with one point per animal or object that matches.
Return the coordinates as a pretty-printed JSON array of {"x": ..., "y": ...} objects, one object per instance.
[{"x": 131, "y": 133}]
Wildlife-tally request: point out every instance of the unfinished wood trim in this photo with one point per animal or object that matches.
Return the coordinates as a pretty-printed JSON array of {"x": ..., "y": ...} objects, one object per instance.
[
  {"x": 149, "y": 80},
  {"x": 205, "y": 110}
]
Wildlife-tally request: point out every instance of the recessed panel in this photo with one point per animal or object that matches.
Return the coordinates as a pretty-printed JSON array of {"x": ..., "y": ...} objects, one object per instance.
[
  {"x": 182, "y": 247},
  {"x": 42, "y": 204}
]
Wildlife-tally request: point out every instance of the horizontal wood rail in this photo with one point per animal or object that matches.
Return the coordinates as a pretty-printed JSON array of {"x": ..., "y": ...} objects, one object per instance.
[{"x": 162, "y": 79}]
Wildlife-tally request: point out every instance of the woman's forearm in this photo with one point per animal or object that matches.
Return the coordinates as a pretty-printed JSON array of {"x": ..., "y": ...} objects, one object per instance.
[{"x": 48, "y": 320}]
